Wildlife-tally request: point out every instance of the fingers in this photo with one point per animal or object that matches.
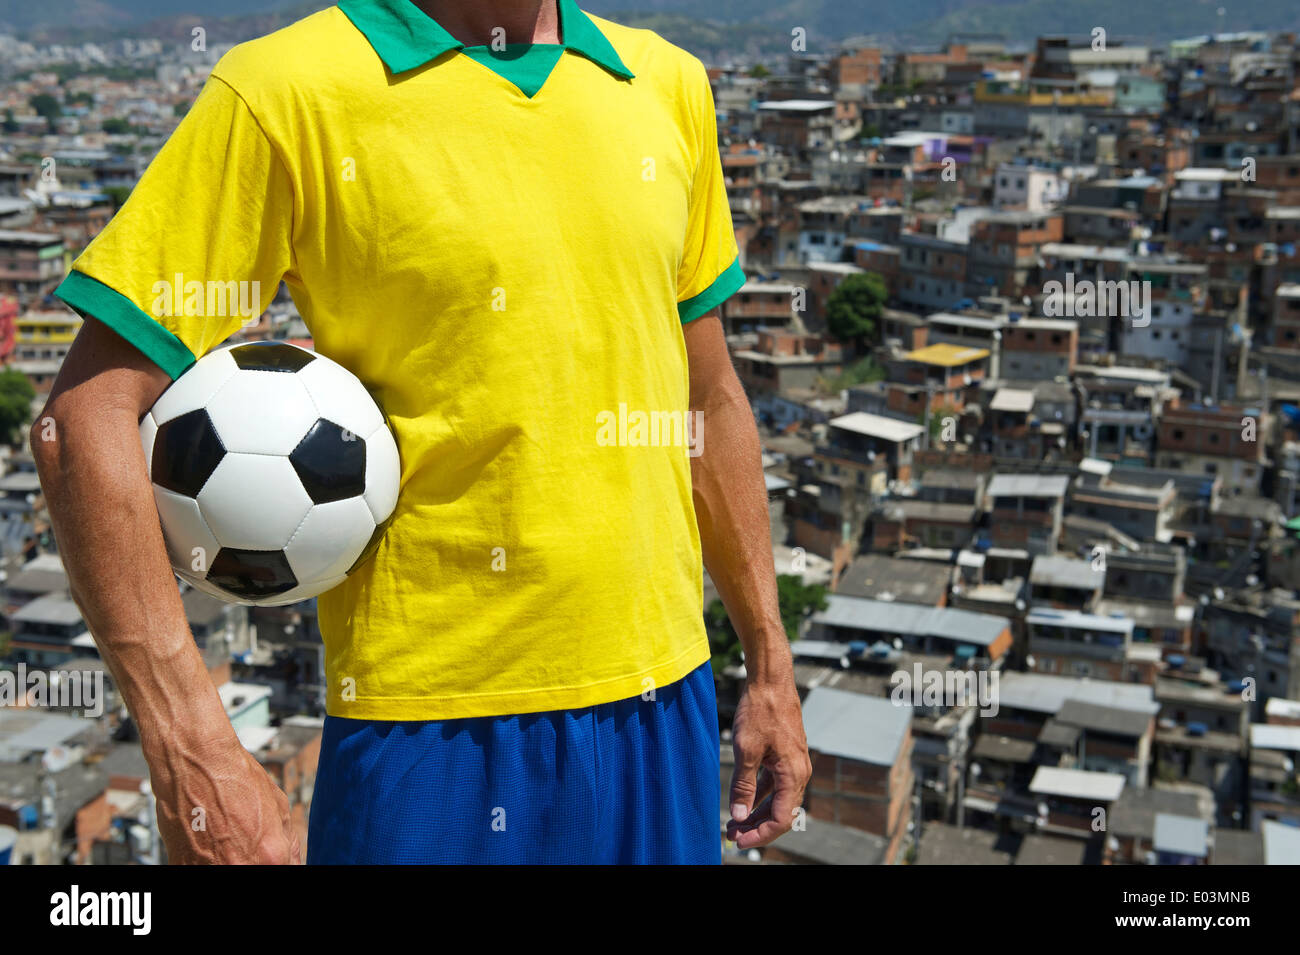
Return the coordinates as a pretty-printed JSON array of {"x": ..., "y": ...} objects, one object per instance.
[
  {"x": 773, "y": 817},
  {"x": 744, "y": 780},
  {"x": 766, "y": 782}
]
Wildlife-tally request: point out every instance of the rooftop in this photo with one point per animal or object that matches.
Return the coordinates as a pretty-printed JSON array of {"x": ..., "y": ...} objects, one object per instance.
[
  {"x": 1182, "y": 835},
  {"x": 1103, "y": 719},
  {"x": 1047, "y": 616},
  {"x": 1134, "y": 813},
  {"x": 1039, "y": 849},
  {"x": 1077, "y": 783},
  {"x": 827, "y": 843},
  {"x": 1046, "y": 693},
  {"x": 877, "y": 426},
  {"x": 1056, "y": 570},
  {"x": 947, "y": 356},
  {"x": 877, "y": 576},
  {"x": 883, "y": 616},
  {"x": 26, "y": 730},
  {"x": 943, "y": 844},
  {"x": 1012, "y": 399},
  {"x": 1281, "y": 843},
  {"x": 853, "y": 726},
  {"x": 1028, "y": 485},
  {"x": 1274, "y": 736},
  {"x": 55, "y": 608}
]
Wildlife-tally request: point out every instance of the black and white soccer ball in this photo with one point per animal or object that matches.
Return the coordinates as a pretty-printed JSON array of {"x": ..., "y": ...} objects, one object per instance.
[{"x": 274, "y": 471}]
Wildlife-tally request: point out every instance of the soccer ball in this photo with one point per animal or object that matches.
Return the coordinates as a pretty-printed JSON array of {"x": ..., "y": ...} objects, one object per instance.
[{"x": 274, "y": 471}]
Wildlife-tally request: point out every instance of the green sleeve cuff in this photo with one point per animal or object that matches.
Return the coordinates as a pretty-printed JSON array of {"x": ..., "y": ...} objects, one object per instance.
[
  {"x": 91, "y": 298},
  {"x": 724, "y": 286}
]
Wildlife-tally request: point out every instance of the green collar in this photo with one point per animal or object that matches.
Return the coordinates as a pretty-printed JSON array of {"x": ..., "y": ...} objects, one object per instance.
[{"x": 405, "y": 36}]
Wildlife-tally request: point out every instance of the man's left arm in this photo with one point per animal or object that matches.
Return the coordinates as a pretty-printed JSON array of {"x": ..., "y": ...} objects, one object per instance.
[{"x": 771, "y": 752}]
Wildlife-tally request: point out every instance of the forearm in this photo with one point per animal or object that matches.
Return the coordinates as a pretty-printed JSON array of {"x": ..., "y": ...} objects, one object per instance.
[
  {"x": 102, "y": 509},
  {"x": 735, "y": 535}
]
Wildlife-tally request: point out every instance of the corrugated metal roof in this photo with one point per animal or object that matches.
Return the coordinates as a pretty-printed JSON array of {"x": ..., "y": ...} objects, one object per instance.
[
  {"x": 1269, "y": 736},
  {"x": 1029, "y": 485},
  {"x": 877, "y": 426},
  {"x": 1281, "y": 843},
  {"x": 1103, "y": 719},
  {"x": 883, "y": 616},
  {"x": 1045, "y": 693},
  {"x": 866, "y": 728},
  {"x": 1012, "y": 399},
  {"x": 1183, "y": 835},
  {"x": 54, "y": 608},
  {"x": 1077, "y": 783},
  {"x": 947, "y": 356},
  {"x": 28, "y": 730},
  {"x": 1084, "y": 621}
]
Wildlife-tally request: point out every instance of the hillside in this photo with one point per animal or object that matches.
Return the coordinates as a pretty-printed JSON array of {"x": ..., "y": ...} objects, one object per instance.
[{"x": 738, "y": 25}]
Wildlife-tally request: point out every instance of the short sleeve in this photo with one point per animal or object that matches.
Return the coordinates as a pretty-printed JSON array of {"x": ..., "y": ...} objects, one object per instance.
[
  {"x": 710, "y": 270},
  {"x": 199, "y": 248}
]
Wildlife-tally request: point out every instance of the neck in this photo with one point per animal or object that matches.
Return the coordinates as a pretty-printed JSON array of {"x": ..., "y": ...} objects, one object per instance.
[{"x": 479, "y": 22}]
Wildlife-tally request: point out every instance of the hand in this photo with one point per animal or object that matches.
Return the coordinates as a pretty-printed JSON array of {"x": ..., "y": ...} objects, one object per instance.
[
  {"x": 772, "y": 764},
  {"x": 219, "y": 806}
]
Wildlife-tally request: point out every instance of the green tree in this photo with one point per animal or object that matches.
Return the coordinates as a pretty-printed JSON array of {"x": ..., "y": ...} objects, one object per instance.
[
  {"x": 795, "y": 600},
  {"x": 855, "y": 306},
  {"x": 937, "y": 417},
  {"x": 47, "y": 106},
  {"x": 118, "y": 194},
  {"x": 10, "y": 125},
  {"x": 759, "y": 72},
  {"x": 115, "y": 125},
  {"x": 865, "y": 369},
  {"x": 16, "y": 395}
]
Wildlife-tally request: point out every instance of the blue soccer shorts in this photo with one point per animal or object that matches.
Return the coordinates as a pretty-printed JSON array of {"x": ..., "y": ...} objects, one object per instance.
[{"x": 633, "y": 781}]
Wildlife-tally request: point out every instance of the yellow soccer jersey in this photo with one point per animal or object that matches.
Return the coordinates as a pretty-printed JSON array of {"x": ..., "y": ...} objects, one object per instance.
[{"x": 504, "y": 253}]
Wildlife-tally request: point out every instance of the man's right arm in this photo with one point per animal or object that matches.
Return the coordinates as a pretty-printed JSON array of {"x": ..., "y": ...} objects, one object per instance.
[{"x": 216, "y": 804}]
